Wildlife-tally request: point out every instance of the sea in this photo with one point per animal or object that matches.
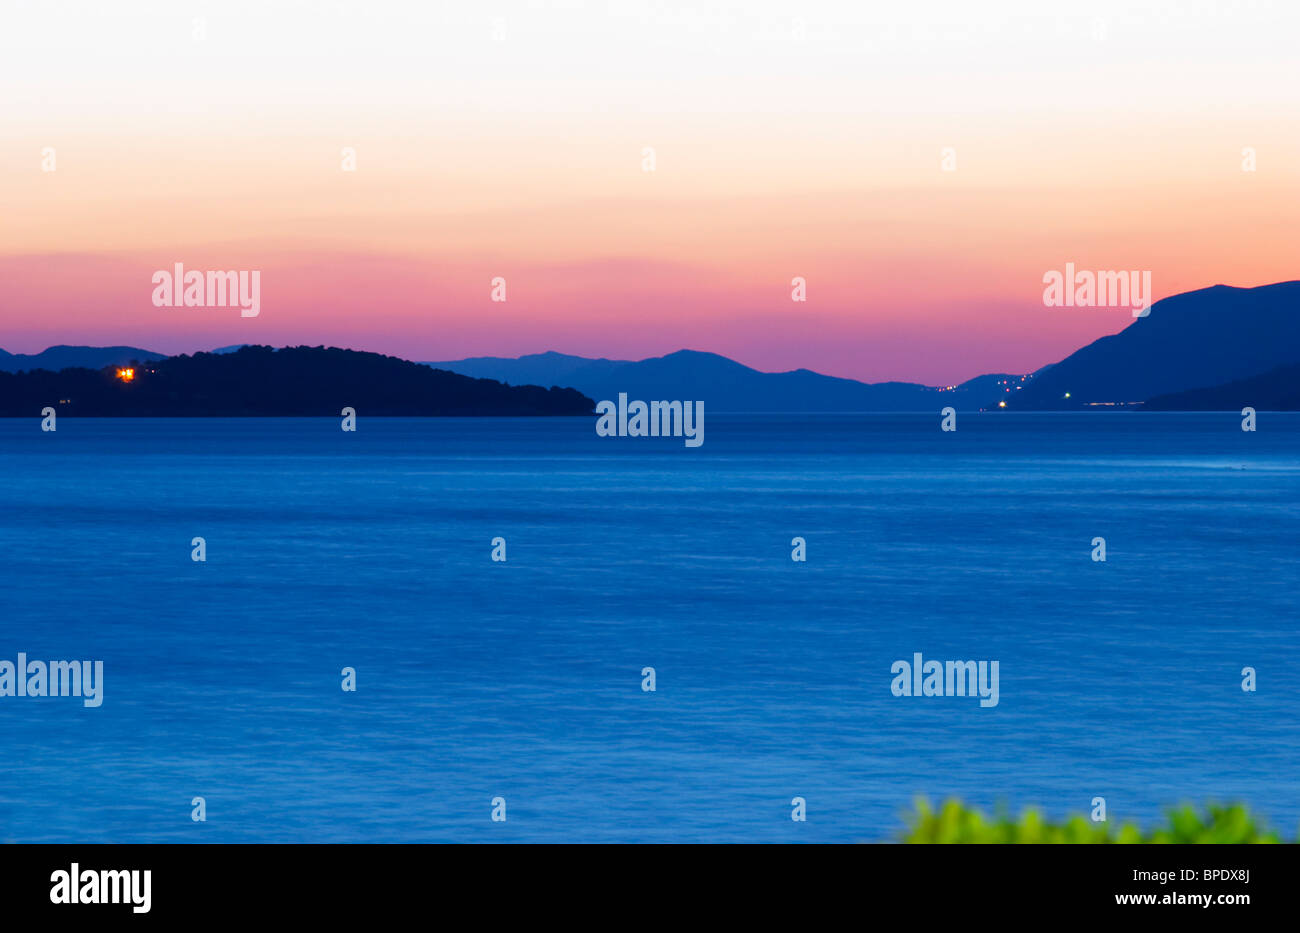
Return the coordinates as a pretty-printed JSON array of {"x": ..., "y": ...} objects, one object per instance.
[{"x": 520, "y": 688}]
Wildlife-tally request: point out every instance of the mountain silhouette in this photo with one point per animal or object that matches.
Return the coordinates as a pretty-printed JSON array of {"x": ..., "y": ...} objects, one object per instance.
[
  {"x": 1209, "y": 337},
  {"x": 1204, "y": 349},
  {"x": 294, "y": 381},
  {"x": 726, "y": 385},
  {"x": 1276, "y": 390},
  {"x": 65, "y": 357}
]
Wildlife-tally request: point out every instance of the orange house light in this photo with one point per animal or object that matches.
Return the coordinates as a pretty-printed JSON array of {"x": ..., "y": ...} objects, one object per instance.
[{"x": 126, "y": 375}]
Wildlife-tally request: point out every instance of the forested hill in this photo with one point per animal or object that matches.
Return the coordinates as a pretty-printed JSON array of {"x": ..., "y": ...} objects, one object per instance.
[{"x": 263, "y": 381}]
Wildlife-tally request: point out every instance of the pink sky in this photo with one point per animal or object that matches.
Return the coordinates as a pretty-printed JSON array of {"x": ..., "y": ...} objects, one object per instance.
[{"x": 777, "y": 154}]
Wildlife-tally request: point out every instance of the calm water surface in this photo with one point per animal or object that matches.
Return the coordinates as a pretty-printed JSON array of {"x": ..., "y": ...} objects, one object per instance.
[{"x": 523, "y": 679}]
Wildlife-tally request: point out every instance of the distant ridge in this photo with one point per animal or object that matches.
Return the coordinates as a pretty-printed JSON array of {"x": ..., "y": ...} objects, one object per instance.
[
  {"x": 62, "y": 357},
  {"x": 1196, "y": 350},
  {"x": 730, "y": 386}
]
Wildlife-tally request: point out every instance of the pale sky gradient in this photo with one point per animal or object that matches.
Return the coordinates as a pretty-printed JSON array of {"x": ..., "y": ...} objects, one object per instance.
[{"x": 506, "y": 139}]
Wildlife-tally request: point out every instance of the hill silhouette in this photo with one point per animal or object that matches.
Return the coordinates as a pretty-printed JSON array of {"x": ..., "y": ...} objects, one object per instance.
[
  {"x": 1276, "y": 390},
  {"x": 1200, "y": 349},
  {"x": 1209, "y": 337},
  {"x": 293, "y": 381},
  {"x": 66, "y": 357},
  {"x": 728, "y": 386}
]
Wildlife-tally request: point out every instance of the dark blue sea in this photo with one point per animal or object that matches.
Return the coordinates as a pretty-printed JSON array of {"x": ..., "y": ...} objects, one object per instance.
[{"x": 522, "y": 679}]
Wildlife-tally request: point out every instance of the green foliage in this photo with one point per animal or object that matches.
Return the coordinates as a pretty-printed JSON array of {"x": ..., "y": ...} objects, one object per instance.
[{"x": 956, "y": 823}]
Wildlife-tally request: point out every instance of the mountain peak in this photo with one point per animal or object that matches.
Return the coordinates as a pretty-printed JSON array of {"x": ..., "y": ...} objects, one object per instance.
[{"x": 1206, "y": 337}]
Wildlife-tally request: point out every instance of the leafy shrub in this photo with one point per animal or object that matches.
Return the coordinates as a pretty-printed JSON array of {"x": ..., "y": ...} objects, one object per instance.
[{"x": 956, "y": 823}]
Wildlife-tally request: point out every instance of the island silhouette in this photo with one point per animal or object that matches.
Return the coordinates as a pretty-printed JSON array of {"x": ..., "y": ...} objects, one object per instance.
[{"x": 263, "y": 381}]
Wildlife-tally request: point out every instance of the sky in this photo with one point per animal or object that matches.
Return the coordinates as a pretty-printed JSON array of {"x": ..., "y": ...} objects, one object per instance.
[{"x": 645, "y": 176}]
